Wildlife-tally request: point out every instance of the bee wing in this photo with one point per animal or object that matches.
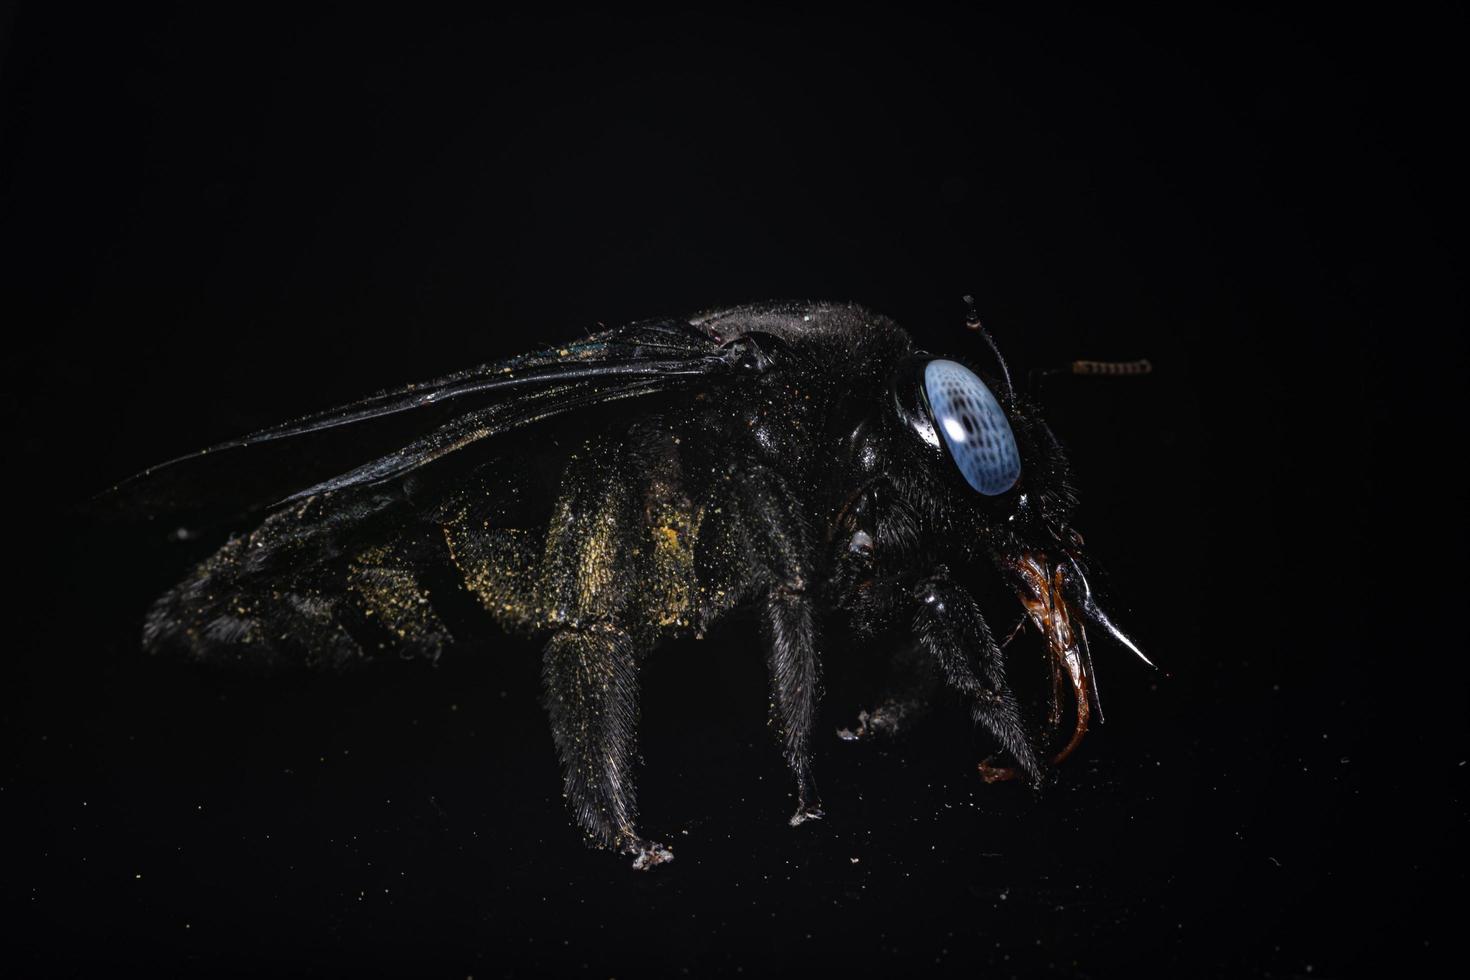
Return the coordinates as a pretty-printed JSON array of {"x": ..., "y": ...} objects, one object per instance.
[{"x": 395, "y": 432}]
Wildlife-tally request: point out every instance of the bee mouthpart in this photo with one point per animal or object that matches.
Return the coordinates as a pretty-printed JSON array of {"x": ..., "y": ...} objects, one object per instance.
[
  {"x": 1094, "y": 612},
  {"x": 1044, "y": 596},
  {"x": 1059, "y": 602},
  {"x": 1041, "y": 586}
]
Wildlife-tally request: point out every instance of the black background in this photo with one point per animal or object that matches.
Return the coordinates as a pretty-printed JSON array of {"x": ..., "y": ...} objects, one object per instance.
[{"x": 215, "y": 221}]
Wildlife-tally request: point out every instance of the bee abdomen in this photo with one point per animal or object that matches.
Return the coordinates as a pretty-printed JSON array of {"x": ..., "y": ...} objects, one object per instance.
[{"x": 260, "y": 600}]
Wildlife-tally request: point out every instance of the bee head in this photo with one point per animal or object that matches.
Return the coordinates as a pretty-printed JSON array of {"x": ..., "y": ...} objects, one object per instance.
[
  {"x": 981, "y": 449},
  {"x": 975, "y": 461}
]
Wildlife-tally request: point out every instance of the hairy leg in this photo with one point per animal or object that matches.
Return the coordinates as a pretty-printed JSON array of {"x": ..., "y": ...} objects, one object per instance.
[
  {"x": 948, "y": 624},
  {"x": 777, "y": 540},
  {"x": 591, "y": 683},
  {"x": 790, "y": 638}
]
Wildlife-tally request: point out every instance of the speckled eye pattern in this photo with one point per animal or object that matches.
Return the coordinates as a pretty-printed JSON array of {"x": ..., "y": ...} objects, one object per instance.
[{"x": 973, "y": 426}]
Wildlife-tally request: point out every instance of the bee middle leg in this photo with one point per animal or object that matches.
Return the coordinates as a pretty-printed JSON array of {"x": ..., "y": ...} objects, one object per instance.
[
  {"x": 779, "y": 547},
  {"x": 790, "y": 637}
]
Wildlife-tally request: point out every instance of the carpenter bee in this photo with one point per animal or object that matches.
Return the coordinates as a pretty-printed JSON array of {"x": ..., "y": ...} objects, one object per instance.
[{"x": 803, "y": 460}]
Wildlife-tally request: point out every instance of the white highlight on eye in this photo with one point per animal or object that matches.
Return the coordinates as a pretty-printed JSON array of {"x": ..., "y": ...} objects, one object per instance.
[{"x": 954, "y": 429}]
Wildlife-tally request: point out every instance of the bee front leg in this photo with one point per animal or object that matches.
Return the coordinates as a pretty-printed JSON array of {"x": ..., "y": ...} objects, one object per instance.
[
  {"x": 948, "y": 624},
  {"x": 591, "y": 680}
]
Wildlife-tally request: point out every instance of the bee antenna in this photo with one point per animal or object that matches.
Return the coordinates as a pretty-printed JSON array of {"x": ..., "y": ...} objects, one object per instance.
[
  {"x": 1116, "y": 369},
  {"x": 1096, "y": 369},
  {"x": 972, "y": 320}
]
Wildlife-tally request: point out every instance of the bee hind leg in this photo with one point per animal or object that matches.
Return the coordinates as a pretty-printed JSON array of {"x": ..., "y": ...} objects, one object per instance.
[{"x": 591, "y": 685}]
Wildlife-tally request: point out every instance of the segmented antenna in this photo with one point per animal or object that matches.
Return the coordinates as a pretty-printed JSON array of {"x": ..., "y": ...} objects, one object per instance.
[
  {"x": 1111, "y": 367},
  {"x": 972, "y": 320},
  {"x": 1093, "y": 369}
]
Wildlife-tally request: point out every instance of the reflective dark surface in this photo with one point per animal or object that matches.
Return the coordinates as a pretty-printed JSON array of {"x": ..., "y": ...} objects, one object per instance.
[{"x": 214, "y": 224}]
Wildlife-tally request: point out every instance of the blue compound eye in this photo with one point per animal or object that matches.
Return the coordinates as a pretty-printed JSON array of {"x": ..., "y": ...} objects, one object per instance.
[{"x": 973, "y": 426}]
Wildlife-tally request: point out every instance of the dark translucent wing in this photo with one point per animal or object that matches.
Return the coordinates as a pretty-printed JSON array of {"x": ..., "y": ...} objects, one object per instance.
[
  {"x": 652, "y": 349},
  {"x": 393, "y": 433},
  {"x": 485, "y": 423}
]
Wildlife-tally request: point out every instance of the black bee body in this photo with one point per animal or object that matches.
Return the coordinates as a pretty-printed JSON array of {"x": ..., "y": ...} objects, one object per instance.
[{"x": 800, "y": 459}]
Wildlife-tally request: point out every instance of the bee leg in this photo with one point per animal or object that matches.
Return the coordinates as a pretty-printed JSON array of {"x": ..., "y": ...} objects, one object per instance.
[
  {"x": 905, "y": 704},
  {"x": 776, "y": 535},
  {"x": 591, "y": 680},
  {"x": 948, "y": 624},
  {"x": 790, "y": 636}
]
